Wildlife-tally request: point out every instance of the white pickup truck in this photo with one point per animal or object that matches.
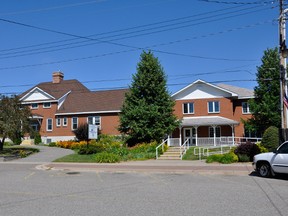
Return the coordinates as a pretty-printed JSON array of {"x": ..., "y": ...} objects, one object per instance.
[{"x": 267, "y": 164}]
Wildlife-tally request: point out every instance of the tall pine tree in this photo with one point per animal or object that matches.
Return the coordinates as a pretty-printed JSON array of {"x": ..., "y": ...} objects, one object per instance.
[
  {"x": 265, "y": 107},
  {"x": 147, "y": 113}
]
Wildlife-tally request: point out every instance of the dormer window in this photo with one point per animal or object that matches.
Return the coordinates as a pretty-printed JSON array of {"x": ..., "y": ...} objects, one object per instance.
[
  {"x": 34, "y": 106},
  {"x": 46, "y": 105}
]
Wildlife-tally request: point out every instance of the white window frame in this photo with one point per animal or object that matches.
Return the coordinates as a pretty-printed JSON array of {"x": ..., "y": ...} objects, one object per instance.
[
  {"x": 94, "y": 121},
  {"x": 58, "y": 121},
  {"x": 47, "y": 124},
  {"x": 36, "y": 107},
  {"x": 188, "y": 108},
  {"x": 213, "y": 106},
  {"x": 46, "y": 107},
  {"x": 72, "y": 123},
  {"x": 247, "y": 108},
  {"x": 65, "y": 121}
]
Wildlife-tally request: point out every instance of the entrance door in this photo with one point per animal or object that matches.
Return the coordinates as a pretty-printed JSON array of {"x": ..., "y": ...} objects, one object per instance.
[{"x": 189, "y": 133}]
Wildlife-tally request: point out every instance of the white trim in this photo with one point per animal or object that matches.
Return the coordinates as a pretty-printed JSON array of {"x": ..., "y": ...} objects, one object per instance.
[
  {"x": 90, "y": 112},
  {"x": 58, "y": 122},
  {"x": 33, "y": 90},
  {"x": 42, "y": 101},
  {"x": 46, "y": 107},
  {"x": 62, "y": 99},
  {"x": 206, "y": 83},
  {"x": 47, "y": 124},
  {"x": 248, "y": 108},
  {"x": 213, "y": 111},
  {"x": 72, "y": 123},
  {"x": 64, "y": 125}
]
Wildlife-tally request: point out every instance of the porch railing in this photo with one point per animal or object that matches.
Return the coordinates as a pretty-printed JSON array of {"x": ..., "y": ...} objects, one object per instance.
[{"x": 209, "y": 141}]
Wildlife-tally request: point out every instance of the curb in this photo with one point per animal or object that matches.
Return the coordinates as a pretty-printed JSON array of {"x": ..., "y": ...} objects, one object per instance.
[{"x": 238, "y": 170}]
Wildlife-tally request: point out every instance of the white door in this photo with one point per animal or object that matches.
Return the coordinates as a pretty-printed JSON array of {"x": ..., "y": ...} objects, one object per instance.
[
  {"x": 189, "y": 133},
  {"x": 280, "y": 160}
]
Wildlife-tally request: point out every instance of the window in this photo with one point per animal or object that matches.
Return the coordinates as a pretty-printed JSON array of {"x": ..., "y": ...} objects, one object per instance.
[
  {"x": 34, "y": 105},
  {"x": 245, "y": 108},
  {"x": 65, "y": 121},
  {"x": 58, "y": 122},
  {"x": 188, "y": 108},
  {"x": 213, "y": 107},
  {"x": 283, "y": 149},
  {"x": 49, "y": 126},
  {"x": 211, "y": 131},
  {"x": 47, "y": 105},
  {"x": 74, "y": 123},
  {"x": 96, "y": 120}
]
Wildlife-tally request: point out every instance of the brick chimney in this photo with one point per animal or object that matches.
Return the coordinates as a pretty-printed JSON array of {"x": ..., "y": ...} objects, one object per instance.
[{"x": 57, "y": 77}]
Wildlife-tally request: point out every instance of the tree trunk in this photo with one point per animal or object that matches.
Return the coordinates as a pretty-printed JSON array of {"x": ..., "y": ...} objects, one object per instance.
[{"x": 2, "y": 143}]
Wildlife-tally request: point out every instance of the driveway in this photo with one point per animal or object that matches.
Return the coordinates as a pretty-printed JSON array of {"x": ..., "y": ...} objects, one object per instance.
[{"x": 46, "y": 155}]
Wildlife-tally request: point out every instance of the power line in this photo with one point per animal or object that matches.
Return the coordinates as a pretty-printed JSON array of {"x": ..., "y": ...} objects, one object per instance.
[
  {"x": 135, "y": 49},
  {"x": 100, "y": 40}
]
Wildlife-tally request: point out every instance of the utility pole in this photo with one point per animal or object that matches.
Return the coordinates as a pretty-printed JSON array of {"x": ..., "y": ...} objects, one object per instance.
[{"x": 283, "y": 69}]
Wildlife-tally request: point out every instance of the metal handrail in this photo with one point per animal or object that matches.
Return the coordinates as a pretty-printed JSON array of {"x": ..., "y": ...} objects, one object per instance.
[
  {"x": 185, "y": 147},
  {"x": 162, "y": 144}
]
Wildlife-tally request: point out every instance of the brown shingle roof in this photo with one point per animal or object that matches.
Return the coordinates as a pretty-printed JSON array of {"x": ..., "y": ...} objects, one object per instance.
[
  {"x": 86, "y": 102},
  {"x": 57, "y": 90}
]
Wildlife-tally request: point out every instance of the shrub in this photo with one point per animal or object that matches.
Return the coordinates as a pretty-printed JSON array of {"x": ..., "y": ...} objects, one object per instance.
[
  {"x": 81, "y": 132},
  {"x": 37, "y": 138},
  {"x": 248, "y": 149},
  {"x": 90, "y": 149},
  {"x": 105, "y": 157},
  {"x": 270, "y": 139},
  {"x": 214, "y": 158},
  {"x": 243, "y": 158},
  {"x": 52, "y": 144},
  {"x": 229, "y": 158},
  {"x": 261, "y": 148}
]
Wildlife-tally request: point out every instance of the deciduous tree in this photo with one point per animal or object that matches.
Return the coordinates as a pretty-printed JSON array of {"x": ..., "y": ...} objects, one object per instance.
[{"x": 14, "y": 119}]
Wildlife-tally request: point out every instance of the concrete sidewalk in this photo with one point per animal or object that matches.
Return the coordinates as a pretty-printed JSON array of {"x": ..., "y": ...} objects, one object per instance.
[
  {"x": 43, "y": 160},
  {"x": 155, "y": 166}
]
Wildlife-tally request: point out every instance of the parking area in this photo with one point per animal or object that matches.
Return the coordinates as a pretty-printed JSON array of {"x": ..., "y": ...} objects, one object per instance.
[{"x": 26, "y": 190}]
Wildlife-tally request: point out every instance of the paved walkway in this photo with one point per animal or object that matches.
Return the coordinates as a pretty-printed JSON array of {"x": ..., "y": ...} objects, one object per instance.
[{"x": 44, "y": 159}]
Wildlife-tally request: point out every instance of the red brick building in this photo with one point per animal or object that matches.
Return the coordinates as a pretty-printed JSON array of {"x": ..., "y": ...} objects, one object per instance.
[
  {"x": 60, "y": 106},
  {"x": 210, "y": 113}
]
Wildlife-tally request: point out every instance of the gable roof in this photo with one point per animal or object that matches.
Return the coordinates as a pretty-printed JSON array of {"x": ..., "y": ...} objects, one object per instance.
[
  {"x": 93, "y": 102},
  {"x": 221, "y": 89},
  {"x": 241, "y": 92},
  {"x": 57, "y": 90},
  {"x": 74, "y": 98}
]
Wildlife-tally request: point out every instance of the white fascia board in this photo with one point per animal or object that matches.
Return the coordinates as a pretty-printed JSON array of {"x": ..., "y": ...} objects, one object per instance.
[
  {"x": 46, "y": 101},
  {"x": 91, "y": 112},
  {"x": 33, "y": 90},
  {"x": 206, "y": 83},
  {"x": 62, "y": 99}
]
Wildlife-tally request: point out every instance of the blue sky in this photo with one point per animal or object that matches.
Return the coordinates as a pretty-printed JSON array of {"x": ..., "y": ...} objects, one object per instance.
[{"x": 99, "y": 42}]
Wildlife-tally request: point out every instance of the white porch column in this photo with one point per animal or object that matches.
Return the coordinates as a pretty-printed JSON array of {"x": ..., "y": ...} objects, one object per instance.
[
  {"x": 196, "y": 136},
  {"x": 233, "y": 139},
  {"x": 214, "y": 134},
  {"x": 180, "y": 136},
  {"x": 168, "y": 141}
]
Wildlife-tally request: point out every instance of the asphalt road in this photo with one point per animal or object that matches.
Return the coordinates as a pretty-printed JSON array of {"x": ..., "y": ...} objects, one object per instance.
[{"x": 25, "y": 190}]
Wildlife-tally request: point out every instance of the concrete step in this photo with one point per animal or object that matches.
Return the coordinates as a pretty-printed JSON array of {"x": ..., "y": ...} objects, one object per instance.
[{"x": 168, "y": 158}]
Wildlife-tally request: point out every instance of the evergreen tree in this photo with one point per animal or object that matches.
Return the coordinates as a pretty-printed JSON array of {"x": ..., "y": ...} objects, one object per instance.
[
  {"x": 147, "y": 113},
  {"x": 265, "y": 107}
]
